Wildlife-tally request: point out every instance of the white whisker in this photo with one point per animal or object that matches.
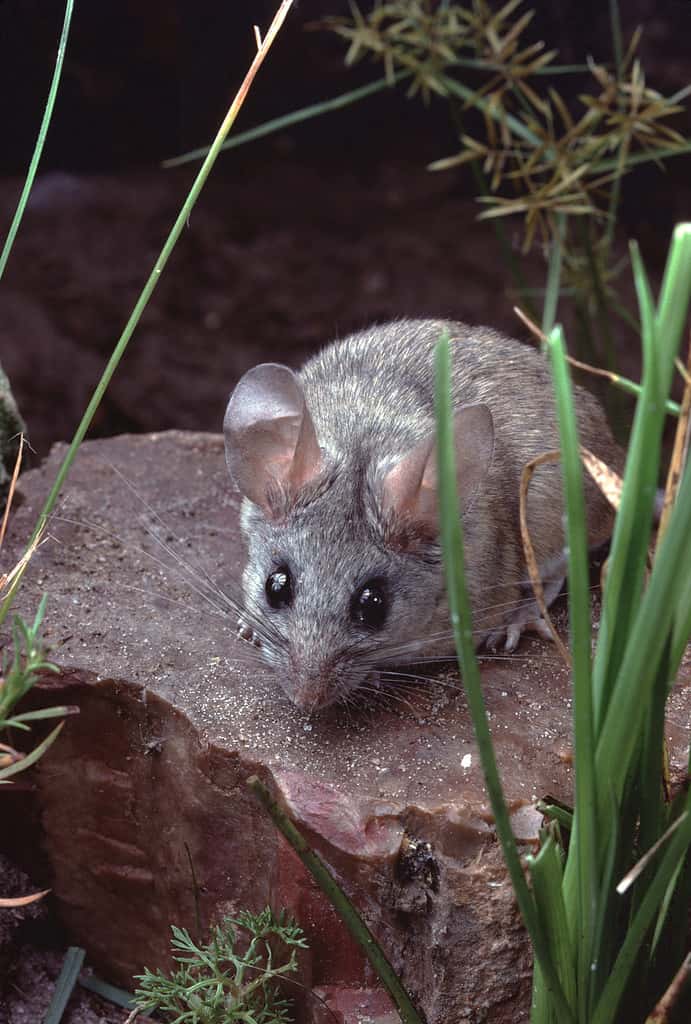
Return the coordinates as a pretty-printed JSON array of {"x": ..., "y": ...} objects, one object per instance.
[
  {"x": 229, "y": 604},
  {"x": 199, "y": 571}
]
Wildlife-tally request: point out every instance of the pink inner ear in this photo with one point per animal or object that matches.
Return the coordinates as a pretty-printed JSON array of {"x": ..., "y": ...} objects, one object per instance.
[
  {"x": 281, "y": 452},
  {"x": 269, "y": 433},
  {"x": 306, "y": 462},
  {"x": 474, "y": 445},
  {"x": 410, "y": 487},
  {"x": 406, "y": 490}
]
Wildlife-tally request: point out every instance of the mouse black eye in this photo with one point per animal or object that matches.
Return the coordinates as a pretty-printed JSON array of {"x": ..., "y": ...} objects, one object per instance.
[
  {"x": 369, "y": 605},
  {"x": 279, "y": 589}
]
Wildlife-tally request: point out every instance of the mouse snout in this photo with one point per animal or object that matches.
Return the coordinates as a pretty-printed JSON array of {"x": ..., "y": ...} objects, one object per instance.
[{"x": 312, "y": 685}]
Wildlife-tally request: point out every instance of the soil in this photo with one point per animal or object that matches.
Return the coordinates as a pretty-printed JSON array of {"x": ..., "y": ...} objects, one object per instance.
[
  {"x": 31, "y": 984},
  {"x": 32, "y": 948}
]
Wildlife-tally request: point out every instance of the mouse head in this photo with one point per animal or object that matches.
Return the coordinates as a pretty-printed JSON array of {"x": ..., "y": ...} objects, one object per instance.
[{"x": 344, "y": 568}]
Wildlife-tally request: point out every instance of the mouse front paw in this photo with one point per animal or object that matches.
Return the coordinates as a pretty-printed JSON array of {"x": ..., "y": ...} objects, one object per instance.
[{"x": 246, "y": 633}]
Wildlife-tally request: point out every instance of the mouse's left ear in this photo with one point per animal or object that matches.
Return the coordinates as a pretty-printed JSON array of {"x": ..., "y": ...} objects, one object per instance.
[
  {"x": 410, "y": 487},
  {"x": 269, "y": 435}
]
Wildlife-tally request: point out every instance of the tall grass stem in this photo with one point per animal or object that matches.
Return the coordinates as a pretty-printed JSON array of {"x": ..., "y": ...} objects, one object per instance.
[
  {"x": 40, "y": 141},
  {"x": 340, "y": 902},
  {"x": 152, "y": 281}
]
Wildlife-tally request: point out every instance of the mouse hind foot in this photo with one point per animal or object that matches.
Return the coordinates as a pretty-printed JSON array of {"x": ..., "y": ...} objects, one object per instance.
[{"x": 526, "y": 618}]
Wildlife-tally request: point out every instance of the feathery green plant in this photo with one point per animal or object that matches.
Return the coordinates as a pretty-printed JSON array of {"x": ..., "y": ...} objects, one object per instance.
[
  {"x": 229, "y": 979},
  {"x": 608, "y": 937}
]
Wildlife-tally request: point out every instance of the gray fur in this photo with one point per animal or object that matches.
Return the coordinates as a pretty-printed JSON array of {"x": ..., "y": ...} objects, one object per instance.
[{"x": 370, "y": 398}]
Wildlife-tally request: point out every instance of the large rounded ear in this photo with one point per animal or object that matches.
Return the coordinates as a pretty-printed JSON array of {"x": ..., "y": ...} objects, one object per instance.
[
  {"x": 410, "y": 487},
  {"x": 269, "y": 434}
]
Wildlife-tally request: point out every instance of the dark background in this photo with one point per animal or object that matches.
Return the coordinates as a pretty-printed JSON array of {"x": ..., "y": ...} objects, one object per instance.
[{"x": 297, "y": 238}]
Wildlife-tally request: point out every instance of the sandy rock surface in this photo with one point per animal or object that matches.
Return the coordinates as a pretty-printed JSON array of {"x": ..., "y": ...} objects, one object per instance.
[{"x": 146, "y": 815}]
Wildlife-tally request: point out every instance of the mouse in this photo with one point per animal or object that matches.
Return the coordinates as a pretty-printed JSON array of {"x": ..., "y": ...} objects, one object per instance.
[{"x": 336, "y": 465}]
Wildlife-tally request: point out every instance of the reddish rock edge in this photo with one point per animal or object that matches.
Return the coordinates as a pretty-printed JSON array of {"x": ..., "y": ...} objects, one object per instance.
[{"x": 176, "y": 713}]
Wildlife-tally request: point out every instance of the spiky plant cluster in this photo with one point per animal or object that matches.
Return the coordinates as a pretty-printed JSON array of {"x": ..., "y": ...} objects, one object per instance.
[
  {"x": 232, "y": 977},
  {"x": 565, "y": 164},
  {"x": 556, "y": 168},
  {"x": 426, "y": 38}
]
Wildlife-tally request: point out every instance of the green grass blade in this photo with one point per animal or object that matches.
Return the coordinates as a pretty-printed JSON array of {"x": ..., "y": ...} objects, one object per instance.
[
  {"x": 461, "y": 621},
  {"x": 610, "y": 921},
  {"x": 629, "y": 547},
  {"x": 67, "y": 979},
  {"x": 673, "y": 306},
  {"x": 642, "y": 638},
  {"x": 682, "y": 622},
  {"x": 653, "y": 811},
  {"x": 631, "y": 388},
  {"x": 33, "y": 756},
  {"x": 40, "y": 141},
  {"x": 483, "y": 104},
  {"x": 150, "y": 285},
  {"x": 277, "y": 124},
  {"x": 549, "y": 311},
  {"x": 633, "y": 159},
  {"x": 341, "y": 904},
  {"x": 615, "y": 26},
  {"x": 556, "y": 812},
  {"x": 546, "y": 872},
  {"x": 117, "y": 996},
  {"x": 661, "y": 336},
  {"x": 507, "y": 250},
  {"x": 613, "y": 205},
  {"x": 34, "y": 716},
  {"x": 635, "y": 681},
  {"x": 480, "y": 64},
  {"x": 586, "y": 826},
  {"x": 541, "y": 1009},
  {"x": 344, "y": 100},
  {"x": 605, "y": 1012},
  {"x": 670, "y": 934}
]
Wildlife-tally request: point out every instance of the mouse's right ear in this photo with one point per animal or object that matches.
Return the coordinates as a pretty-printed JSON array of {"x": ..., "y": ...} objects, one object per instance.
[
  {"x": 410, "y": 488},
  {"x": 269, "y": 434}
]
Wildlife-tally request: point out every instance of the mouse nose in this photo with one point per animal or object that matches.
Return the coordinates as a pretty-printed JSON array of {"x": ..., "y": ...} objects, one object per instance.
[{"x": 310, "y": 687}]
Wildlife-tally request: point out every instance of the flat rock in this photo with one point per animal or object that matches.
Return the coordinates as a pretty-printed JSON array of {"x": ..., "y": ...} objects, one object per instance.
[{"x": 146, "y": 815}]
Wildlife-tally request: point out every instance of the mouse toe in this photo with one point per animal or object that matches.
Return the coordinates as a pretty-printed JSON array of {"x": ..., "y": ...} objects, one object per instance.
[
  {"x": 507, "y": 637},
  {"x": 246, "y": 633}
]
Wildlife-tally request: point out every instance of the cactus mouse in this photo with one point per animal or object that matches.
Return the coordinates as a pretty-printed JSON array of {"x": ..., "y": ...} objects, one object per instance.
[{"x": 337, "y": 467}]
